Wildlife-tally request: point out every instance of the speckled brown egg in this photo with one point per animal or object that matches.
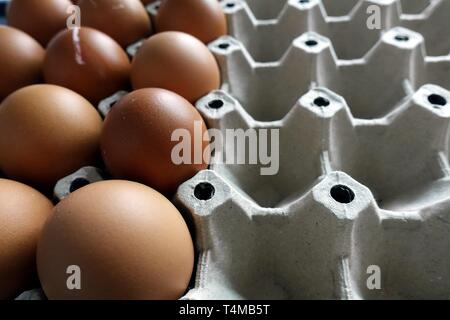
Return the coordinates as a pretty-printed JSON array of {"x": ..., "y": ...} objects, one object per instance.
[
  {"x": 177, "y": 62},
  {"x": 41, "y": 19},
  {"x": 137, "y": 144},
  {"x": 47, "y": 132},
  {"x": 204, "y": 19},
  {"x": 127, "y": 241},
  {"x": 22, "y": 59},
  {"x": 23, "y": 212},
  {"x": 126, "y": 21},
  {"x": 88, "y": 62}
]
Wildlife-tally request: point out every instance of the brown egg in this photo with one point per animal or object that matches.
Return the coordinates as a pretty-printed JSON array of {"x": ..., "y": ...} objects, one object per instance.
[
  {"x": 41, "y": 19},
  {"x": 126, "y": 21},
  {"x": 22, "y": 59},
  {"x": 23, "y": 212},
  {"x": 47, "y": 132},
  {"x": 178, "y": 62},
  {"x": 87, "y": 61},
  {"x": 204, "y": 19},
  {"x": 136, "y": 139},
  {"x": 128, "y": 241}
]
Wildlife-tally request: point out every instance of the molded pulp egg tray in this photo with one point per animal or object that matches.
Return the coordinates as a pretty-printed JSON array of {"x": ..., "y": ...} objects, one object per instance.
[
  {"x": 364, "y": 175},
  {"x": 2, "y": 11}
]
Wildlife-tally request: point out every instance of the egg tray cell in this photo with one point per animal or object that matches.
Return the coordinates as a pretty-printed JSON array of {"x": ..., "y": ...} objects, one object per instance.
[{"x": 364, "y": 174}]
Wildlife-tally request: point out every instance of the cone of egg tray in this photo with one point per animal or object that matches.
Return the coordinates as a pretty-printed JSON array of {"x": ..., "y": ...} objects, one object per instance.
[{"x": 77, "y": 180}]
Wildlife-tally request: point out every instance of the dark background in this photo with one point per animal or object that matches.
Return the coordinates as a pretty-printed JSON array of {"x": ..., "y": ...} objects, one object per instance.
[{"x": 2, "y": 11}]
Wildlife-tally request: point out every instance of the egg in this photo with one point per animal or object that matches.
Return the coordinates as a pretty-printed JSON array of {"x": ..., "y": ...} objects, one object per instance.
[
  {"x": 88, "y": 62},
  {"x": 136, "y": 140},
  {"x": 41, "y": 19},
  {"x": 22, "y": 60},
  {"x": 23, "y": 212},
  {"x": 47, "y": 132},
  {"x": 122, "y": 240},
  {"x": 131, "y": 21},
  {"x": 204, "y": 19},
  {"x": 177, "y": 62}
]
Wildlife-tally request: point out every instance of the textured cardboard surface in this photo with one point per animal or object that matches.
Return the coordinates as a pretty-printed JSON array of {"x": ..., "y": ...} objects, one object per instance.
[
  {"x": 286, "y": 237},
  {"x": 384, "y": 135},
  {"x": 316, "y": 247},
  {"x": 372, "y": 86},
  {"x": 343, "y": 21}
]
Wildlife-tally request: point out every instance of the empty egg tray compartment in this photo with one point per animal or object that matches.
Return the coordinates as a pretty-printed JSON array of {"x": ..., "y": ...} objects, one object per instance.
[
  {"x": 267, "y": 28},
  {"x": 312, "y": 231},
  {"x": 373, "y": 86}
]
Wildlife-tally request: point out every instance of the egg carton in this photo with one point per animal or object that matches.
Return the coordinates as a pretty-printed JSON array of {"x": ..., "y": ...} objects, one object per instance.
[
  {"x": 396, "y": 66},
  {"x": 364, "y": 175},
  {"x": 350, "y": 195},
  {"x": 267, "y": 28},
  {"x": 312, "y": 231},
  {"x": 362, "y": 186}
]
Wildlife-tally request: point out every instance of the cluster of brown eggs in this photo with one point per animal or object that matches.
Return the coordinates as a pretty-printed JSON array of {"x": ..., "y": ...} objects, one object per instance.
[{"x": 126, "y": 239}]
